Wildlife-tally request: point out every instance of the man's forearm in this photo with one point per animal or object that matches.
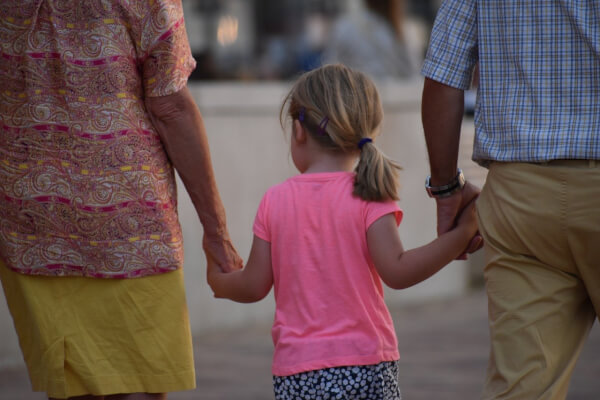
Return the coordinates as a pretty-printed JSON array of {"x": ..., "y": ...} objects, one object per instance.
[{"x": 441, "y": 112}]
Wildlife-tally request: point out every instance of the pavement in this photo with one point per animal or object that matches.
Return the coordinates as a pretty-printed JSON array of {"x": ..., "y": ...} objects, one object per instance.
[{"x": 443, "y": 346}]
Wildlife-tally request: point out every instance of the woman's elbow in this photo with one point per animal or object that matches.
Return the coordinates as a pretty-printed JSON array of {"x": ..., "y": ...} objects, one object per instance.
[{"x": 170, "y": 107}]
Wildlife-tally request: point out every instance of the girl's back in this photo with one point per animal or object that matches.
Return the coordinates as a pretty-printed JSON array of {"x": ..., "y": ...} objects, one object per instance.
[
  {"x": 326, "y": 239},
  {"x": 330, "y": 307}
]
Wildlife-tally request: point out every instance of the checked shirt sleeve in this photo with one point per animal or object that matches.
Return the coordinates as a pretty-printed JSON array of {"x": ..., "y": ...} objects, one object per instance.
[{"x": 452, "y": 52}]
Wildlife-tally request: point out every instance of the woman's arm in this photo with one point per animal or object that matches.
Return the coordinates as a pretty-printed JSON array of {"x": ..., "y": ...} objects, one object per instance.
[
  {"x": 250, "y": 284},
  {"x": 400, "y": 269},
  {"x": 179, "y": 123}
]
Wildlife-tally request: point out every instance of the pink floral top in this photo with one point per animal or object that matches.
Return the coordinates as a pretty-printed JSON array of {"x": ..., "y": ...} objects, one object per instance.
[{"x": 86, "y": 188}]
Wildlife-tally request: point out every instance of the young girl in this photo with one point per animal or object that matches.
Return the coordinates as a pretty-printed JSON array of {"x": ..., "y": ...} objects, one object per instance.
[{"x": 326, "y": 238}]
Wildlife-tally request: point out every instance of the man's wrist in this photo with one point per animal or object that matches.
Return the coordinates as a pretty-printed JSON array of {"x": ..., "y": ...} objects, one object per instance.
[{"x": 448, "y": 189}]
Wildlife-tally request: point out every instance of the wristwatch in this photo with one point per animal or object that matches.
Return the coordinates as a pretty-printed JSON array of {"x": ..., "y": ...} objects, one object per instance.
[{"x": 446, "y": 190}]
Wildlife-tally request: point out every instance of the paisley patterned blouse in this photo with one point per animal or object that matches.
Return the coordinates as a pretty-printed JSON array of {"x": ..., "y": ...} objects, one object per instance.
[{"x": 86, "y": 188}]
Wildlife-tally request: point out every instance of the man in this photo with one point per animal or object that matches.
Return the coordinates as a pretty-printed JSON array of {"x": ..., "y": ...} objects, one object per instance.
[{"x": 537, "y": 122}]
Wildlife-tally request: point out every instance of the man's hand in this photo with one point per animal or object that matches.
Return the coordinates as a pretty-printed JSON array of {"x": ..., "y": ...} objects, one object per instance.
[
  {"x": 442, "y": 110},
  {"x": 448, "y": 210}
]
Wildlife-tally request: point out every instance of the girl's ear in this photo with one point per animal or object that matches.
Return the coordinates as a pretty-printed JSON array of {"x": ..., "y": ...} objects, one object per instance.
[{"x": 299, "y": 133}]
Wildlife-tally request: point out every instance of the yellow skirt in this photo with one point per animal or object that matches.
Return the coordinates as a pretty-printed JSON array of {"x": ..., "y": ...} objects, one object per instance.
[{"x": 102, "y": 336}]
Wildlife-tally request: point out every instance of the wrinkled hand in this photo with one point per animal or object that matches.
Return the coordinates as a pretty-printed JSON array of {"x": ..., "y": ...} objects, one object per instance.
[
  {"x": 449, "y": 208},
  {"x": 220, "y": 254}
]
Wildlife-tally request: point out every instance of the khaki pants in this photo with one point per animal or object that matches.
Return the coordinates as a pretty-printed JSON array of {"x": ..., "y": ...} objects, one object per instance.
[{"x": 541, "y": 225}]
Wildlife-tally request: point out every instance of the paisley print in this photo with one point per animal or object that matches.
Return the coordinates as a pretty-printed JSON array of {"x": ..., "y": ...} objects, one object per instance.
[{"x": 86, "y": 188}]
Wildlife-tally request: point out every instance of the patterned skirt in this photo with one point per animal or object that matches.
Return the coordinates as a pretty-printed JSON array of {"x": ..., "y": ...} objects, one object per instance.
[
  {"x": 102, "y": 336},
  {"x": 366, "y": 382}
]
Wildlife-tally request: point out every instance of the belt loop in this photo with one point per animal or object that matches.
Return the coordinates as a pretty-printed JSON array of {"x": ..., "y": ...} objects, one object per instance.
[{"x": 592, "y": 163}]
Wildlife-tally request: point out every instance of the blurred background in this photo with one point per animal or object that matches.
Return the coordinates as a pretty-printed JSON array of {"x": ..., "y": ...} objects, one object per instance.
[
  {"x": 278, "y": 39},
  {"x": 248, "y": 52}
]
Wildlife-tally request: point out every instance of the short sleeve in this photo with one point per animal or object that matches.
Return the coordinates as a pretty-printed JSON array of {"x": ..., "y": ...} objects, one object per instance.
[
  {"x": 376, "y": 210},
  {"x": 162, "y": 47},
  {"x": 453, "y": 52},
  {"x": 261, "y": 222}
]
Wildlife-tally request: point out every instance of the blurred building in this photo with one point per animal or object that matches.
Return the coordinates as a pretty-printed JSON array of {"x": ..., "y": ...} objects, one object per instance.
[
  {"x": 371, "y": 39},
  {"x": 257, "y": 39},
  {"x": 278, "y": 39}
]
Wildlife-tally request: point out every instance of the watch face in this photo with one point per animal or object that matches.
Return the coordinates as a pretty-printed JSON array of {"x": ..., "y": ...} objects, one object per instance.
[{"x": 461, "y": 179}]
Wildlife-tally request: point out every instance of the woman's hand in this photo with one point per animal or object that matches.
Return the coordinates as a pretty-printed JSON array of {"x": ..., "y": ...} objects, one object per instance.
[
  {"x": 180, "y": 126},
  {"x": 244, "y": 285},
  {"x": 221, "y": 254}
]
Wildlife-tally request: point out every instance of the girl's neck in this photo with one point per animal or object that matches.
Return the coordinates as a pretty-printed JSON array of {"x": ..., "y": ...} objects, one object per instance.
[
  {"x": 330, "y": 162},
  {"x": 310, "y": 157}
]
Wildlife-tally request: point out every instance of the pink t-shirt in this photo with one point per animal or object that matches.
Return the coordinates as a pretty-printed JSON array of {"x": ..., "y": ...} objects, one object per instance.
[{"x": 330, "y": 308}]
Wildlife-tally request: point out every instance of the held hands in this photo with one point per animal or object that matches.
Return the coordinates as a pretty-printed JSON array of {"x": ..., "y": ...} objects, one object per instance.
[
  {"x": 460, "y": 208},
  {"x": 220, "y": 254},
  {"x": 246, "y": 285},
  {"x": 221, "y": 258},
  {"x": 467, "y": 220}
]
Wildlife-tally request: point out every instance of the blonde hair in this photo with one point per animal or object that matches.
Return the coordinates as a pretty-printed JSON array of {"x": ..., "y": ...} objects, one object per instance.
[{"x": 339, "y": 107}]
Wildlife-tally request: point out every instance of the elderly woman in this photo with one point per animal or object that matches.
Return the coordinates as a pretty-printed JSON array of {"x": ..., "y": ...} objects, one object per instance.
[{"x": 94, "y": 115}]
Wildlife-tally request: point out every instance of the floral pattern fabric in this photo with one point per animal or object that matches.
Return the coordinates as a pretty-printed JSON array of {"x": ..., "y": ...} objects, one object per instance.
[
  {"x": 358, "y": 382},
  {"x": 86, "y": 188}
]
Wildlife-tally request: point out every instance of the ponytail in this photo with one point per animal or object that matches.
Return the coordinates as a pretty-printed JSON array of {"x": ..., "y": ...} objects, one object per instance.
[
  {"x": 376, "y": 175},
  {"x": 341, "y": 109}
]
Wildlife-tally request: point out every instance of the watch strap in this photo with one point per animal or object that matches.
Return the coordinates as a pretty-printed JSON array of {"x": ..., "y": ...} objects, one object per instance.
[{"x": 448, "y": 189}]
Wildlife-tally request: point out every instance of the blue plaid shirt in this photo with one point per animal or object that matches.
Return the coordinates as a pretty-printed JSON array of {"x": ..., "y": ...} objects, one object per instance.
[{"x": 538, "y": 97}]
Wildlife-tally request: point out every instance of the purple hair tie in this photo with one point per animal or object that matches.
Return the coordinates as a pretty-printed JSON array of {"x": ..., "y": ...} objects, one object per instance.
[
  {"x": 301, "y": 114},
  {"x": 323, "y": 125},
  {"x": 364, "y": 141}
]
